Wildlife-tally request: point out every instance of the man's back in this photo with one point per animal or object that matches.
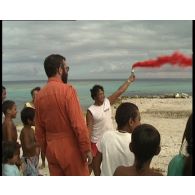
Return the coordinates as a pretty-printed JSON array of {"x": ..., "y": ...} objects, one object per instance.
[
  {"x": 60, "y": 128},
  {"x": 51, "y": 106}
]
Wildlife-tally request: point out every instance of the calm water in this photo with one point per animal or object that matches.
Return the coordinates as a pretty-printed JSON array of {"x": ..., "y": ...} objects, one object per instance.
[{"x": 19, "y": 91}]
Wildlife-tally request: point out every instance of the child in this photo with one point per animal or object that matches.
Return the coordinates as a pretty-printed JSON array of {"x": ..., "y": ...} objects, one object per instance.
[
  {"x": 10, "y": 157},
  {"x": 29, "y": 146},
  {"x": 9, "y": 129},
  {"x": 31, "y": 104},
  {"x": 181, "y": 164},
  {"x": 113, "y": 148},
  {"x": 145, "y": 143}
]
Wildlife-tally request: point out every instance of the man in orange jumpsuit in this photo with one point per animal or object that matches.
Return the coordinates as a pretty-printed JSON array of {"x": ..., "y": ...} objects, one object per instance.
[{"x": 60, "y": 128}]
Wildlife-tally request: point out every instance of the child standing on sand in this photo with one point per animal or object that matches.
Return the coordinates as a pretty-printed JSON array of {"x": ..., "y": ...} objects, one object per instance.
[
  {"x": 10, "y": 158},
  {"x": 145, "y": 143},
  {"x": 30, "y": 148},
  {"x": 9, "y": 131}
]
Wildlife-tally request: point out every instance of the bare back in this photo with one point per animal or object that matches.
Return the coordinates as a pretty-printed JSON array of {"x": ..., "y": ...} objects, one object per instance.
[
  {"x": 131, "y": 171},
  {"x": 28, "y": 143}
]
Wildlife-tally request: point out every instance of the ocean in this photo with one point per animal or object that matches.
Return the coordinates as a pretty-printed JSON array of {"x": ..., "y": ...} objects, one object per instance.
[{"x": 19, "y": 91}]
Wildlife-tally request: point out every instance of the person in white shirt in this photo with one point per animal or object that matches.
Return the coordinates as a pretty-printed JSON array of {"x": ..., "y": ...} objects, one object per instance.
[
  {"x": 113, "y": 148},
  {"x": 99, "y": 115}
]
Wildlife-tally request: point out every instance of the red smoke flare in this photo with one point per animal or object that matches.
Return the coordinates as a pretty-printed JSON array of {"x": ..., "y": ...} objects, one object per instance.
[{"x": 175, "y": 59}]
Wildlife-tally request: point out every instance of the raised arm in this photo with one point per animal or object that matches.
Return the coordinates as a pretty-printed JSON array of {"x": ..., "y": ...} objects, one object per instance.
[{"x": 121, "y": 89}]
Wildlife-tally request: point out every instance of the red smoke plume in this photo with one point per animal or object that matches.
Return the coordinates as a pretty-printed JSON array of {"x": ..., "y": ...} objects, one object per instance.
[{"x": 175, "y": 59}]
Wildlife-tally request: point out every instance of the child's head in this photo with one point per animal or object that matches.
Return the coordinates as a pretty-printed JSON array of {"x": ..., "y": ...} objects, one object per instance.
[
  {"x": 9, "y": 108},
  {"x": 10, "y": 154},
  {"x": 145, "y": 143},
  {"x": 127, "y": 113},
  {"x": 28, "y": 116}
]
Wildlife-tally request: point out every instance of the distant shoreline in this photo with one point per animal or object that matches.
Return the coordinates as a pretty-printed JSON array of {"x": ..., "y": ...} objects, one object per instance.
[{"x": 96, "y": 79}]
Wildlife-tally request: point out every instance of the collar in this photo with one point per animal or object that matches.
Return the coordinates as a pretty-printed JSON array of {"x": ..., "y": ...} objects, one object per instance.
[{"x": 56, "y": 79}]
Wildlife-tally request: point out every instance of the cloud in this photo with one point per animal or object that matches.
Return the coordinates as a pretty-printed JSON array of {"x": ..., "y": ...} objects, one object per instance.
[{"x": 108, "y": 48}]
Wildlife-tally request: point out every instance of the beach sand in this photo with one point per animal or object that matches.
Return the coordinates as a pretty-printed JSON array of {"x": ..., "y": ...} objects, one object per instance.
[{"x": 168, "y": 115}]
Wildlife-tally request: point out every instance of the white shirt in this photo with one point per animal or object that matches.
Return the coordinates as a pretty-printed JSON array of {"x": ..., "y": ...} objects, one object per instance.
[
  {"x": 102, "y": 120},
  {"x": 114, "y": 147}
]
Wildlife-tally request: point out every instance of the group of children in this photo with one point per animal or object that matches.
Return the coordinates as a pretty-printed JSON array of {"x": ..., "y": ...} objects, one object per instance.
[
  {"x": 125, "y": 152},
  {"x": 13, "y": 164}
]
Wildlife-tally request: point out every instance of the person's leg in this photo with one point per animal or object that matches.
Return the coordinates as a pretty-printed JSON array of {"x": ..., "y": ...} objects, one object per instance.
[
  {"x": 94, "y": 164},
  {"x": 55, "y": 170},
  {"x": 43, "y": 160}
]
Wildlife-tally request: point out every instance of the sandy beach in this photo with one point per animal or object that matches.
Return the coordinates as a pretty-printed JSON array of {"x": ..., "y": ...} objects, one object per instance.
[{"x": 168, "y": 115}]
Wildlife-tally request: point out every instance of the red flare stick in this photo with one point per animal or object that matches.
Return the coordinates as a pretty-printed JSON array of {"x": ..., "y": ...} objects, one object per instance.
[{"x": 175, "y": 59}]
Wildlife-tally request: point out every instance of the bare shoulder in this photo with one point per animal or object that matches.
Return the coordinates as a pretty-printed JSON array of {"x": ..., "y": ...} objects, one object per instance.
[{"x": 120, "y": 171}]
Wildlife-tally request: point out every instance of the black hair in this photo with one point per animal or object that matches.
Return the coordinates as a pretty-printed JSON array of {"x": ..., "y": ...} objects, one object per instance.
[
  {"x": 188, "y": 136},
  {"x": 52, "y": 63},
  {"x": 7, "y": 104},
  {"x": 35, "y": 89},
  {"x": 27, "y": 113},
  {"x": 95, "y": 89},
  {"x": 124, "y": 112},
  {"x": 145, "y": 141},
  {"x": 9, "y": 148},
  {"x": 3, "y": 88}
]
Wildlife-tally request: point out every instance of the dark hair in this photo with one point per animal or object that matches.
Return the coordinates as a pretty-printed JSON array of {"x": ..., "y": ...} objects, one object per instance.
[
  {"x": 27, "y": 113},
  {"x": 124, "y": 112},
  {"x": 35, "y": 89},
  {"x": 145, "y": 140},
  {"x": 9, "y": 148},
  {"x": 52, "y": 63},
  {"x": 188, "y": 136},
  {"x": 7, "y": 104},
  {"x": 3, "y": 88},
  {"x": 95, "y": 89}
]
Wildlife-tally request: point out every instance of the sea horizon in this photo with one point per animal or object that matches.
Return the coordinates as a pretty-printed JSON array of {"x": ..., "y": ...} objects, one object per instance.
[
  {"x": 102, "y": 79},
  {"x": 19, "y": 91}
]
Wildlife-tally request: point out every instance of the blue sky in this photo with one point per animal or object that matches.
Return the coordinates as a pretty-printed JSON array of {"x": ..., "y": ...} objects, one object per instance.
[{"x": 94, "y": 49}]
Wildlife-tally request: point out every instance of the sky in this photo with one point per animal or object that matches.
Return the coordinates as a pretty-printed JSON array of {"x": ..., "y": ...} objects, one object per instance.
[{"x": 94, "y": 49}]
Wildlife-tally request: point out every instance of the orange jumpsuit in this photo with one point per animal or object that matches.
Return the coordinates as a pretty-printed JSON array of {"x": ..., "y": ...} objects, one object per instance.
[{"x": 60, "y": 129}]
